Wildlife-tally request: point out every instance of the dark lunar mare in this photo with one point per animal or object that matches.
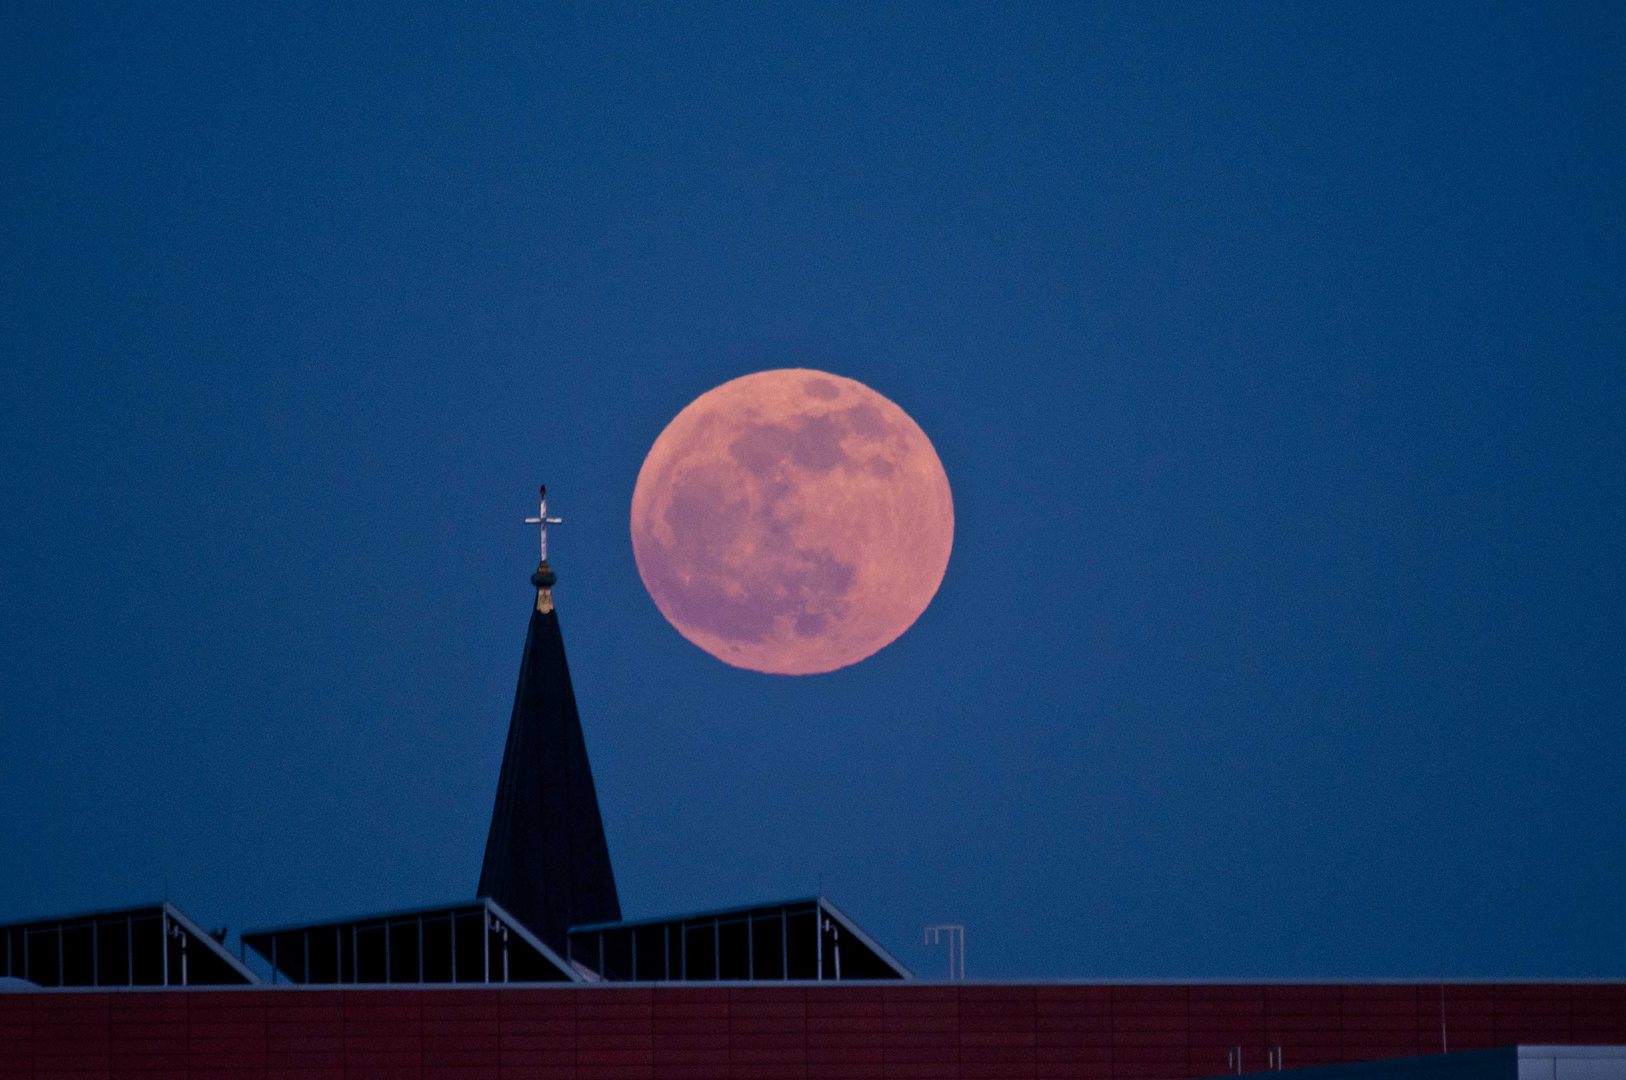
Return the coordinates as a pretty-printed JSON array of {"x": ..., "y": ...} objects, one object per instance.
[
  {"x": 691, "y": 581},
  {"x": 546, "y": 858}
]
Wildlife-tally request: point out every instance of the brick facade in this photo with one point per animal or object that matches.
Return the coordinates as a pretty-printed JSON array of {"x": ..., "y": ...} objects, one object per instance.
[{"x": 920, "y": 1030}]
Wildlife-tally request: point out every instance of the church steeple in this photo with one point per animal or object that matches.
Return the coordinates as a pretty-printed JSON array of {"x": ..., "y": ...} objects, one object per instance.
[{"x": 547, "y": 862}]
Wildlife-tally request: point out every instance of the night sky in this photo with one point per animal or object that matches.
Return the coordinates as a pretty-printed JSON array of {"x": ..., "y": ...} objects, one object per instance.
[{"x": 1275, "y": 356}]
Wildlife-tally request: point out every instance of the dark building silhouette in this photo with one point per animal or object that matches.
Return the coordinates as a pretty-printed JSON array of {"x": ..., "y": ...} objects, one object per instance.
[
  {"x": 546, "y": 858},
  {"x": 451, "y": 943},
  {"x": 149, "y": 945}
]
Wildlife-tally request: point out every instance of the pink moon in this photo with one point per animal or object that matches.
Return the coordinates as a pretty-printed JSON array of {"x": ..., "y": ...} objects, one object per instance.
[{"x": 792, "y": 522}]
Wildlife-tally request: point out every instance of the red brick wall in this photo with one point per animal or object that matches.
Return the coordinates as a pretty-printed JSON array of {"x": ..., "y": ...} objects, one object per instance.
[{"x": 919, "y": 1031}]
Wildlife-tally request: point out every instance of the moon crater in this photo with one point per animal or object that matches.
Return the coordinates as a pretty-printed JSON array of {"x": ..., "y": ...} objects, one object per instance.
[{"x": 792, "y": 522}]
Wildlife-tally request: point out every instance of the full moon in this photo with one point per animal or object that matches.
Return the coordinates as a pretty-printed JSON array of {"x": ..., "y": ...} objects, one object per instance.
[{"x": 792, "y": 522}]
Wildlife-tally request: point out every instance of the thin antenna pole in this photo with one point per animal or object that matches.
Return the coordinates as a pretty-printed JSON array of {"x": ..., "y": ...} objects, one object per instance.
[{"x": 956, "y": 946}]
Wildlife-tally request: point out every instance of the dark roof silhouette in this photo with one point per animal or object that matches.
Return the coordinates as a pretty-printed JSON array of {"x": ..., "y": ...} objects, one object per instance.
[
  {"x": 149, "y": 945},
  {"x": 546, "y": 859}
]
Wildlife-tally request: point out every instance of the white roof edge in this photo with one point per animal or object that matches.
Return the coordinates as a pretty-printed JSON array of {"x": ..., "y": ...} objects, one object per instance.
[
  {"x": 532, "y": 940},
  {"x": 208, "y": 939},
  {"x": 856, "y": 931},
  {"x": 1570, "y": 1050}
]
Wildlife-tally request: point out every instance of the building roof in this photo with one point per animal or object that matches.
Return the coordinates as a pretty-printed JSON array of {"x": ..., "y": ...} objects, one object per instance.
[
  {"x": 147, "y": 945},
  {"x": 794, "y": 940},
  {"x": 470, "y": 942}
]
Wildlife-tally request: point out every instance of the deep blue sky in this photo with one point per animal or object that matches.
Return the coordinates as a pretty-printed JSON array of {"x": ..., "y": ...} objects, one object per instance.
[{"x": 1275, "y": 357}]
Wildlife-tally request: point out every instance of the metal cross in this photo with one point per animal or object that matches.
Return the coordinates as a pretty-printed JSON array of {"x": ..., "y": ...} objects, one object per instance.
[{"x": 543, "y": 521}]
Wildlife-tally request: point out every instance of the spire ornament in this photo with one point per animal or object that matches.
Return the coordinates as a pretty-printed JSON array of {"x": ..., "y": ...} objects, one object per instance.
[{"x": 544, "y": 578}]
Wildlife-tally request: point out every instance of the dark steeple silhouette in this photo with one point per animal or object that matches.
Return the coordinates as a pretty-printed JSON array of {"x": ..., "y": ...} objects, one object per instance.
[{"x": 546, "y": 861}]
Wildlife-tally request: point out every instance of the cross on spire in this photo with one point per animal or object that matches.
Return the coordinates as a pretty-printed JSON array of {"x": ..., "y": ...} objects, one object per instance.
[{"x": 542, "y": 521}]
